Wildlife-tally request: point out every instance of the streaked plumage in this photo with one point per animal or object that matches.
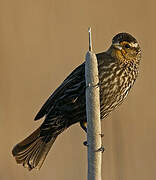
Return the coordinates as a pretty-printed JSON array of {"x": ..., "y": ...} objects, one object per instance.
[{"x": 118, "y": 70}]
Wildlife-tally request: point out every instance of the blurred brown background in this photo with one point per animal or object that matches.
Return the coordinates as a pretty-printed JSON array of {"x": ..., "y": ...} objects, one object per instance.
[{"x": 41, "y": 42}]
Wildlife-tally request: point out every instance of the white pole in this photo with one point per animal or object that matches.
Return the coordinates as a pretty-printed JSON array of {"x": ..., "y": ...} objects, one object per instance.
[{"x": 93, "y": 115}]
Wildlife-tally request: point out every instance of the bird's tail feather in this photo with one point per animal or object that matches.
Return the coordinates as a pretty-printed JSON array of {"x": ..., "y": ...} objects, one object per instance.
[{"x": 32, "y": 151}]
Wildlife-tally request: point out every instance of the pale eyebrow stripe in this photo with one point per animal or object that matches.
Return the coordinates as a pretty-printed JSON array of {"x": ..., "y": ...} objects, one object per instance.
[{"x": 134, "y": 45}]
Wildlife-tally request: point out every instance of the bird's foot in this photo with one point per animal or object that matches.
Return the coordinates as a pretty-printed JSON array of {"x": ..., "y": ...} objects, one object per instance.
[
  {"x": 102, "y": 135},
  {"x": 96, "y": 85},
  {"x": 101, "y": 149},
  {"x": 85, "y": 143}
]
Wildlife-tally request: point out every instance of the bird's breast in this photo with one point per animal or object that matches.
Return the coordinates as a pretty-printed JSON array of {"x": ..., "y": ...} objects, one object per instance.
[{"x": 115, "y": 84}]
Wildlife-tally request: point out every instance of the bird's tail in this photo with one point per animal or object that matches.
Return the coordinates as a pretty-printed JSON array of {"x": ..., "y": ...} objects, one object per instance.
[{"x": 32, "y": 151}]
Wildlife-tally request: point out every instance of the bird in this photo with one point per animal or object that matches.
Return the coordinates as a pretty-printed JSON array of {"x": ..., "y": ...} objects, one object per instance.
[{"x": 118, "y": 69}]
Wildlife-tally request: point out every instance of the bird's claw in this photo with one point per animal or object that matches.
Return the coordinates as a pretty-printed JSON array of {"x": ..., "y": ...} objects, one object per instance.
[
  {"x": 102, "y": 135},
  {"x": 96, "y": 85},
  {"x": 85, "y": 143},
  {"x": 101, "y": 149}
]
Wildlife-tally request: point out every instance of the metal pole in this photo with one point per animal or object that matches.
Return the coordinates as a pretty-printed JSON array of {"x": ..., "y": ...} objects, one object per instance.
[{"x": 93, "y": 114}]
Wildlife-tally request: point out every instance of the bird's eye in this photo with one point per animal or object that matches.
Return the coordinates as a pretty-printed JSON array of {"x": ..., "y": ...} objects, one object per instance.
[{"x": 127, "y": 46}]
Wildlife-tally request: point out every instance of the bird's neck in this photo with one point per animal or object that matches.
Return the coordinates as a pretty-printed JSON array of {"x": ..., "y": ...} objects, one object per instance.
[
  {"x": 122, "y": 58},
  {"x": 129, "y": 66}
]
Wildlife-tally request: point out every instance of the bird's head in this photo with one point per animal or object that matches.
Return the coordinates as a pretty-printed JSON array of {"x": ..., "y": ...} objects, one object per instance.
[{"x": 126, "y": 48}]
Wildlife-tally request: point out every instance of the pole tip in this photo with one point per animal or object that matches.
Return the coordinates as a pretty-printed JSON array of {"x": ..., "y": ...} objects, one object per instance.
[
  {"x": 89, "y": 29},
  {"x": 90, "y": 39}
]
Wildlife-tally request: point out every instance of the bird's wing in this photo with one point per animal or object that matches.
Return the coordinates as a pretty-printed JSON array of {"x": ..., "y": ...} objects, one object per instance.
[{"x": 71, "y": 82}]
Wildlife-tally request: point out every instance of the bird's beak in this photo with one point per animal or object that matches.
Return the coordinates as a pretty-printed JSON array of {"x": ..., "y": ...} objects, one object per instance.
[{"x": 117, "y": 46}]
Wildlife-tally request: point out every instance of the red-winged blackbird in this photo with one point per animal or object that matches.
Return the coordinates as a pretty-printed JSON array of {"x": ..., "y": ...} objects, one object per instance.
[{"x": 118, "y": 70}]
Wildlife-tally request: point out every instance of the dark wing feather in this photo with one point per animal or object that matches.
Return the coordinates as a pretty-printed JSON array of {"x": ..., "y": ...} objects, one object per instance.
[{"x": 75, "y": 77}]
